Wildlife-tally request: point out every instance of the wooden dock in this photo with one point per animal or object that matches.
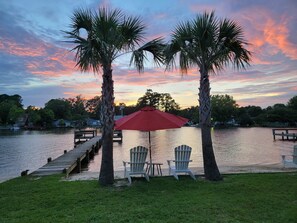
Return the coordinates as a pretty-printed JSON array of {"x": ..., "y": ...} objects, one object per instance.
[
  {"x": 117, "y": 136},
  {"x": 72, "y": 159},
  {"x": 285, "y": 134},
  {"x": 83, "y": 135}
]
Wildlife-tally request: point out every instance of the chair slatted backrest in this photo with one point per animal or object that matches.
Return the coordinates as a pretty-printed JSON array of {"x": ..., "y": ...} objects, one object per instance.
[
  {"x": 137, "y": 158},
  {"x": 182, "y": 157}
]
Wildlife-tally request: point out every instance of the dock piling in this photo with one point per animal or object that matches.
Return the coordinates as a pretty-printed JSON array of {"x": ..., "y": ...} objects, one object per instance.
[
  {"x": 78, "y": 164},
  {"x": 87, "y": 156}
]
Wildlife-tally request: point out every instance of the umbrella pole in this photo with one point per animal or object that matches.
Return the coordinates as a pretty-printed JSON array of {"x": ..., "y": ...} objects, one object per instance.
[{"x": 150, "y": 150}]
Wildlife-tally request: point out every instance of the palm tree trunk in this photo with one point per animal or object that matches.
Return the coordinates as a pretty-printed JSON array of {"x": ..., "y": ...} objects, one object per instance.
[
  {"x": 106, "y": 176},
  {"x": 211, "y": 170}
]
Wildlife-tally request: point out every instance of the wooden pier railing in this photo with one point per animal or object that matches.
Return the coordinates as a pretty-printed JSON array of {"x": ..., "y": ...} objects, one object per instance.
[{"x": 285, "y": 134}]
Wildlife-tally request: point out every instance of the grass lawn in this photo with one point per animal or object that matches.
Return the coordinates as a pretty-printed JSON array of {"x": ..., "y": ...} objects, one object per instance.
[{"x": 239, "y": 198}]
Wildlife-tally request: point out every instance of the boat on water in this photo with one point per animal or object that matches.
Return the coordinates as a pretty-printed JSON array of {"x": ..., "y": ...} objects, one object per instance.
[{"x": 15, "y": 128}]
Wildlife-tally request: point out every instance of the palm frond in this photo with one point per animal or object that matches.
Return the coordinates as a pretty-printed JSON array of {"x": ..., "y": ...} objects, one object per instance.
[
  {"x": 110, "y": 34},
  {"x": 230, "y": 47},
  {"x": 170, "y": 52},
  {"x": 155, "y": 47},
  {"x": 132, "y": 32},
  {"x": 207, "y": 42},
  {"x": 180, "y": 48},
  {"x": 81, "y": 19}
]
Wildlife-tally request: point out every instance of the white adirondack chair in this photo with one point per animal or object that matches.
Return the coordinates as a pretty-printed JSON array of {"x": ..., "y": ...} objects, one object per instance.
[
  {"x": 182, "y": 159},
  {"x": 137, "y": 162},
  {"x": 293, "y": 162}
]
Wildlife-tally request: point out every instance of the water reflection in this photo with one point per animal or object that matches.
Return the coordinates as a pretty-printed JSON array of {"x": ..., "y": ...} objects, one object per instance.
[
  {"x": 233, "y": 147},
  {"x": 21, "y": 150}
]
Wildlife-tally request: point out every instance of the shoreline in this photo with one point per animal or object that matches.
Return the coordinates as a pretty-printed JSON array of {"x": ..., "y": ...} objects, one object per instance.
[{"x": 198, "y": 171}]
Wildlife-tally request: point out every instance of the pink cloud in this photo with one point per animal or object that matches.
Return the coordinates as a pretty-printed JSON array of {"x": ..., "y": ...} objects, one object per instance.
[
  {"x": 269, "y": 34},
  {"x": 161, "y": 16},
  {"x": 1, "y": 45},
  {"x": 52, "y": 65},
  {"x": 156, "y": 76},
  {"x": 44, "y": 59},
  {"x": 88, "y": 90},
  {"x": 20, "y": 49}
]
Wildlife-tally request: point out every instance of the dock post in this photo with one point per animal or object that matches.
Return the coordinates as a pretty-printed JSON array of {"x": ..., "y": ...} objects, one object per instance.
[
  {"x": 92, "y": 152},
  {"x": 283, "y": 136},
  {"x": 287, "y": 133},
  {"x": 97, "y": 147},
  {"x": 273, "y": 133},
  {"x": 87, "y": 156},
  {"x": 78, "y": 163}
]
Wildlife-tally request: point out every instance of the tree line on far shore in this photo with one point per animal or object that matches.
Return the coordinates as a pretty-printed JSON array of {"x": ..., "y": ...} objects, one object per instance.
[{"x": 225, "y": 111}]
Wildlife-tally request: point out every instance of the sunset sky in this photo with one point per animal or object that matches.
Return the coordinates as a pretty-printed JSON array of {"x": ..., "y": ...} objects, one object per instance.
[{"x": 35, "y": 61}]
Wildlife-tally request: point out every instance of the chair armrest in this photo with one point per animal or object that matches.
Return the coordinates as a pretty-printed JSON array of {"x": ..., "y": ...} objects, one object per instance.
[
  {"x": 284, "y": 156},
  {"x": 179, "y": 161},
  {"x": 124, "y": 162},
  {"x": 168, "y": 161}
]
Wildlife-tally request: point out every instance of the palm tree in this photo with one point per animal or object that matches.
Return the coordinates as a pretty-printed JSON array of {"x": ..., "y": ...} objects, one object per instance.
[
  {"x": 99, "y": 38},
  {"x": 210, "y": 44}
]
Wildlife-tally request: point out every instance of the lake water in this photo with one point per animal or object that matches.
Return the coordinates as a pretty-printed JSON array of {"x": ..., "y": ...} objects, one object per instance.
[{"x": 21, "y": 150}]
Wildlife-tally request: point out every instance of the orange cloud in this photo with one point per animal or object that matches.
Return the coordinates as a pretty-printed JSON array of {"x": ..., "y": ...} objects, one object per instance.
[
  {"x": 19, "y": 49},
  {"x": 277, "y": 35},
  {"x": 88, "y": 90},
  {"x": 42, "y": 60},
  {"x": 153, "y": 77},
  {"x": 57, "y": 64},
  {"x": 270, "y": 36}
]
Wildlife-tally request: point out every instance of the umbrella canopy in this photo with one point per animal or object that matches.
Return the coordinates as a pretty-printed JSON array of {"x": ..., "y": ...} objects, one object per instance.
[{"x": 150, "y": 119}]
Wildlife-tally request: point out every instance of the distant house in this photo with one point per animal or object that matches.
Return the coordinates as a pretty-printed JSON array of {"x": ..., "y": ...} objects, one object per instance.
[
  {"x": 93, "y": 122},
  {"x": 230, "y": 123},
  {"x": 61, "y": 123}
]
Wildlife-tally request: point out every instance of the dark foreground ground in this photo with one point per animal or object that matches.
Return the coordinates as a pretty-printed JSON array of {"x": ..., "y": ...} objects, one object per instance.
[{"x": 261, "y": 197}]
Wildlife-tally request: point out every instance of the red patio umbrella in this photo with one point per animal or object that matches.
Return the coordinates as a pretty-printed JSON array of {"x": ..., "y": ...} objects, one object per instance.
[{"x": 150, "y": 119}]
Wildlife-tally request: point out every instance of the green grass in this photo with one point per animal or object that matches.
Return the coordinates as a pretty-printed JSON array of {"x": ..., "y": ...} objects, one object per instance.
[{"x": 239, "y": 198}]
